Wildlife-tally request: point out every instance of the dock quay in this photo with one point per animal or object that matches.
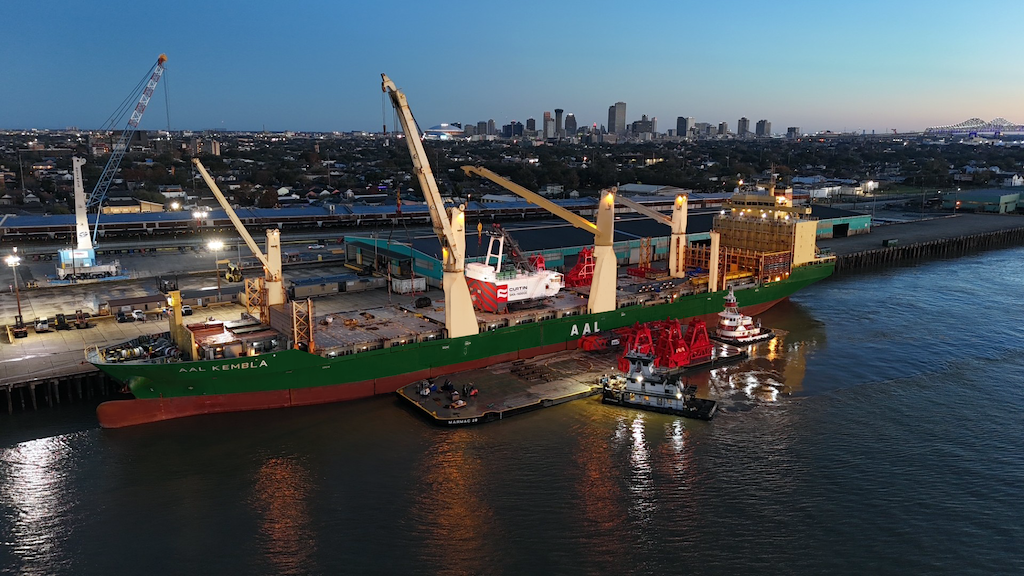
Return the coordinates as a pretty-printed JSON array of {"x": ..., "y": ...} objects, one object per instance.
[
  {"x": 50, "y": 392},
  {"x": 511, "y": 388},
  {"x": 946, "y": 236}
]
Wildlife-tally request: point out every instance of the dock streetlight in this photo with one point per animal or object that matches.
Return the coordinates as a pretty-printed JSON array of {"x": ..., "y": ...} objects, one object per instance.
[
  {"x": 13, "y": 260},
  {"x": 216, "y": 245}
]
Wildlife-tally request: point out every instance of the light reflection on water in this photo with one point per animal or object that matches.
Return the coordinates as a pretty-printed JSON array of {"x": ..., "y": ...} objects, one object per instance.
[
  {"x": 35, "y": 498},
  {"x": 281, "y": 496},
  {"x": 448, "y": 505}
]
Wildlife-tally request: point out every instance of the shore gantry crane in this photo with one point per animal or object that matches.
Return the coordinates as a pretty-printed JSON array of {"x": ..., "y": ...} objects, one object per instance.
[
  {"x": 450, "y": 226},
  {"x": 603, "y": 285}
]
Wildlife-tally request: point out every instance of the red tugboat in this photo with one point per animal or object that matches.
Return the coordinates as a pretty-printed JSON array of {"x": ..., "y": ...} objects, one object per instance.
[{"x": 735, "y": 328}]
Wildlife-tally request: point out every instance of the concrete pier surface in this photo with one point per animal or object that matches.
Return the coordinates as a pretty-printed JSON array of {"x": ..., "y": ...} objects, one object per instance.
[{"x": 930, "y": 228}]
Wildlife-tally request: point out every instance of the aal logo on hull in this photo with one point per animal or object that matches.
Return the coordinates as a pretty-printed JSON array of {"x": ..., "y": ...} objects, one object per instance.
[{"x": 586, "y": 329}]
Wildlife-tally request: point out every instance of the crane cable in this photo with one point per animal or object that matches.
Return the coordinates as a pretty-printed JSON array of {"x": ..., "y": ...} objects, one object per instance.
[
  {"x": 167, "y": 101},
  {"x": 119, "y": 113}
]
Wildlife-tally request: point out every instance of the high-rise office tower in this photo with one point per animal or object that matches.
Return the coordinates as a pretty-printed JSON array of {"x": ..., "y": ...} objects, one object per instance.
[
  {"x": 570, "y": 124},
  {"x": 743, "y": 127},
  {"x": 549, "y": 126},
  {"x": 723, "y": 128},
  {"x": 684, "y": 125},
  {"x": 531, "y": 124},
  {"x": 764, "y": 128},
  {"x": 481, "y": 128},
  {"x": 491, "y": 130},
  {"x": 617, "y": 118},
  {"x": 793, "y": 132},
  {"x": 558, "y": 123}
]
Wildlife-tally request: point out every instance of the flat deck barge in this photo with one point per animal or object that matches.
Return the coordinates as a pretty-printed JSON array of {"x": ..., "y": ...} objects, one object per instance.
[{"x": 510, "y": 388}]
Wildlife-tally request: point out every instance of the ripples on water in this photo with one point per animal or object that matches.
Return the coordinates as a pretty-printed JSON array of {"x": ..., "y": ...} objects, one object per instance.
[{"x": 880, "y": 433}]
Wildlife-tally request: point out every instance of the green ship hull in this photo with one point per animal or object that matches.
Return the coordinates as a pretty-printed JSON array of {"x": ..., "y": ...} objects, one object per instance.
[{"x": 293, "y": 377}]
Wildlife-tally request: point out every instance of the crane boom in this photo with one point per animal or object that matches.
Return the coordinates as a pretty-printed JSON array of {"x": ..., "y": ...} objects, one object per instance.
[
  {"x": 421, "y": 167},
  {"x": 459, "y": 317},
  {"x": 273, "y": 279},
  {"x": 602, "y": 287},
  {"x": 117, "y": 153},
  {"x": 230, "y": 212},
  {"x": 530, "y": 196},
  {"x": 644, "y": 210}
]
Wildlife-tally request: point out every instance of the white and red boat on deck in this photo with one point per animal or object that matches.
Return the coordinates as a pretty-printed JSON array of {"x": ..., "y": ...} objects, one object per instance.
[
  {"x": 498, "y": 282},
  {"x": 736, "y": 328}
]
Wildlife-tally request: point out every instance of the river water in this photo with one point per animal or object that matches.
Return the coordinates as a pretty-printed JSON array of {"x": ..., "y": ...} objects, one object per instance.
[{"x": 881, "y": 433}]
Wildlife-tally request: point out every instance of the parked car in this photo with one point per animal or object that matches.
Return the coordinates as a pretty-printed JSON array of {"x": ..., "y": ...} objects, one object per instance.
[
  {"x": 122, "y": 317},
  {"x": 316, "y": 247},
  {"x": 186, "y": 310},
  {"x": 139, "y": 315}
]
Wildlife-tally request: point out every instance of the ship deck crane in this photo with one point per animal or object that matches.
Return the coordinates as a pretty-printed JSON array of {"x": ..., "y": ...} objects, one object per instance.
[
  {"x": 450, "y": 226},
  {"x": 603, "y": 286},
  {"x": 119, "y": 149},
  {"x": 677, "y": 246},
  {"x": 272, "y": 277}
]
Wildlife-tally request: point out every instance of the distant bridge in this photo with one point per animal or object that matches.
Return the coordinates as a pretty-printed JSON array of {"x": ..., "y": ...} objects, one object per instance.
[{"x": 976, "y": 126}]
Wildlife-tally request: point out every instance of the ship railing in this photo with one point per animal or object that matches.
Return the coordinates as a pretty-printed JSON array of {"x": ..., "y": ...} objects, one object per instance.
[{"x": 93, "y": 356}]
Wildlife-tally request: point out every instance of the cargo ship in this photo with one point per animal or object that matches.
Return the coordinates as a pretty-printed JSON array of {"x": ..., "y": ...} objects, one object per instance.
[
  {"x": 287, "y": 376},
  {"x": 761, "y": 246}
]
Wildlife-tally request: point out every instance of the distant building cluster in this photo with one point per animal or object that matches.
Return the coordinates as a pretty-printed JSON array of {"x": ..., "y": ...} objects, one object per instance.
[{"x": 557, "y": 126}]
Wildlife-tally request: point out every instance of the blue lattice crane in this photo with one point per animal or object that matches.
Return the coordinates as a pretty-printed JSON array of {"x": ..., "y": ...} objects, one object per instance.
[{"x": 117, "y": 153}]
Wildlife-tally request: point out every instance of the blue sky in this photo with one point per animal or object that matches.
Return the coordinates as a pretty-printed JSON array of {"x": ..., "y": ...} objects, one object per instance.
[{"x": 872, "y": 65}]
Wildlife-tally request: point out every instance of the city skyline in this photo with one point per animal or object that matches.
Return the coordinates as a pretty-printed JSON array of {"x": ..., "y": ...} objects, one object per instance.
[{"x": 871, "y": 66}]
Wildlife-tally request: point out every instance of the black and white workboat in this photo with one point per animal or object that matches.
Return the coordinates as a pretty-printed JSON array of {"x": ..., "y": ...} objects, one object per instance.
[{"x": 647, "y": 388}]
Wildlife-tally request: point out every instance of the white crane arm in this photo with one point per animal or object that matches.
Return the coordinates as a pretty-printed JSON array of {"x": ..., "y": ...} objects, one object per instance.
[
  {"x": 440, "y": 221},
  {"x": 231, "y": 213}
]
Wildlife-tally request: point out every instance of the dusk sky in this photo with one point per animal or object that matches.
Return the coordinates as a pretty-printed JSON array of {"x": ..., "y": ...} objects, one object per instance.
[{"x": 819, "y": 65}]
